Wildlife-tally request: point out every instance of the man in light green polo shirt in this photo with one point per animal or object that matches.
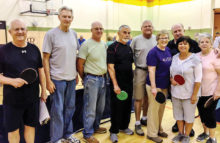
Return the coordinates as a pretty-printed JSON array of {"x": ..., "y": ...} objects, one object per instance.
[{"x": 92, "y": 69}]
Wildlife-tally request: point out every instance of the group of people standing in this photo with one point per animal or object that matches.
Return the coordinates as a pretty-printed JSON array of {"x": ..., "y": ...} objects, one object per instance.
[{"x": 157, "y": 60}]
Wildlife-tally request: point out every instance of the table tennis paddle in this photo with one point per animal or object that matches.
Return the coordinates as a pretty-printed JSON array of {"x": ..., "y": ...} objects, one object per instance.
[
  {"x": 122, "y": 96},
  {"x": 29, "y": 75},
  {"x": 179, "y": 79},
  {"x": 209, "y": 102},
  {"x": 160, "y": 97}
]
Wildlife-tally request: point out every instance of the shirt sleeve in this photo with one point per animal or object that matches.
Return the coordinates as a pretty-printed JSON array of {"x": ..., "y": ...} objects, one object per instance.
[
  {"x": 152, "y": 58},
  {"x": 83, "y": 51},
  {"x": 1, "y": 60},
  {"x": 198, "y": 72},
  {"x": 111, "y": 54},
  {"x": 47, "y": 44},
  {"x": 217, "y": 63}
]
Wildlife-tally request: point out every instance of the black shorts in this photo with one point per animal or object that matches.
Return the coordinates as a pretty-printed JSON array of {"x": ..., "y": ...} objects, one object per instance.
[
  {"x": 15, "y": 117},
  {"x": 207, "y": 115}
]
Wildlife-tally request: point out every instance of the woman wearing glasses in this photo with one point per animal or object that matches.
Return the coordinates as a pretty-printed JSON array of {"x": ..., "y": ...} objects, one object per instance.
[{"x": 158, "y": 61}]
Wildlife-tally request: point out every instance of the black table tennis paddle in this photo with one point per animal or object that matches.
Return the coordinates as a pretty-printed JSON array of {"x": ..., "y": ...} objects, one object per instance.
[
  {"x": 29, "y": 75},
  {"x": 160, "y": 97}
]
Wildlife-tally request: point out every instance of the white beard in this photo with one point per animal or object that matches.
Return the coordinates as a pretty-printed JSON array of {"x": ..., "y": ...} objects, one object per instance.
[{"x": 125, "y": 40}]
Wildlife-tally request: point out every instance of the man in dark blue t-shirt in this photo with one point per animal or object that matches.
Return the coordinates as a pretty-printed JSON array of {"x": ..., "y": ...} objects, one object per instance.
[{"x": 20, "y": 99}]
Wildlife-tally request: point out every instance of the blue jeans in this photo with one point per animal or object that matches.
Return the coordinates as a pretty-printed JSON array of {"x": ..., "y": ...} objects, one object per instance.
[
  {"x": 94, "y": 103},
  {"x": 62, "y": 109}
]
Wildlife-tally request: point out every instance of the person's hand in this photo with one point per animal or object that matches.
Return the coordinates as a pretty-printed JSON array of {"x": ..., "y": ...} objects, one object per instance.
[
  {"x": 117, "y": 89},
  {"x": 77, "y": 79},
  {"x": 44, "y": 96},
  {"x": 193, "y": 99},
  {"x": 51, "y": 87},
  {"x": 154, "y": 91},
  {"x": 18, "y": 82},
  {"x": 173, "y": 82},
  {"x": 217, "y": 52},
  {"x": 216, "y": 97}
]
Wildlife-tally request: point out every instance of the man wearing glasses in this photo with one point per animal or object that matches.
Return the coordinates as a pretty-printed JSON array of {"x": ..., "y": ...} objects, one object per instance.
[{"x": 92, "y": 69}]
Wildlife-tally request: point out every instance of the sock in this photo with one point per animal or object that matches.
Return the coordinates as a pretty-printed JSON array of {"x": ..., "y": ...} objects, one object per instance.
[
  {"x": 144, "y": 118},
  {"x": 137, "y": 123}
]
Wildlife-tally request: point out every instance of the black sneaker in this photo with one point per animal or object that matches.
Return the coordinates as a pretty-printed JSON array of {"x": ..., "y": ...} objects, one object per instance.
[
  {"x": 192, "y": 133},
  {"x": 202, "y": 137},
  {"x": 143, "y": 122},
  {"x": 175, "y": 128}
]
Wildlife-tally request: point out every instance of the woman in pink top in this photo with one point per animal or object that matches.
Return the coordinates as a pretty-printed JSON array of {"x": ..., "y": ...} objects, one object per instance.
[{"x": 210, "y": 87}]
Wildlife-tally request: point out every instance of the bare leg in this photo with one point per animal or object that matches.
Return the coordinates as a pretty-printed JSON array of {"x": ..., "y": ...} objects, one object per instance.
[
  {"x": 29, "y": 134},
  {"x": 180, "y": 124},
  {"x": 14, "y": 137},
  {"x": 212, "y": 132},
  {"x": 188, "y": 128},
  {"x": 145, "y": 105},
  {"x": 137, "y": 107}
]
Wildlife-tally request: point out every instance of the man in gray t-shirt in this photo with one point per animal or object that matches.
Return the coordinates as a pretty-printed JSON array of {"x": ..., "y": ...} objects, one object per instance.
[
  {"x": 141, "y": 45},
  {"x": 59, "y": 58}
]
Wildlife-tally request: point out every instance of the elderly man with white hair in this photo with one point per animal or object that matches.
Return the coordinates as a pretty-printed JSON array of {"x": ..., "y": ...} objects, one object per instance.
[
  {"x": 20, "y": 99},
  {"x": 59, "y": 51}
]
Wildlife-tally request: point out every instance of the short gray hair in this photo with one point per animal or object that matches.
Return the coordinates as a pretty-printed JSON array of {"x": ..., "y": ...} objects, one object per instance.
[
  {"x": 162, "y": 32},
  {"x": 123, "y": 26},
  {"x": 146, "y": 21},
  {"x": 20, "y": 20},
  {"x": 65, "y": 8},
  {"x": 205, "y": 35}
]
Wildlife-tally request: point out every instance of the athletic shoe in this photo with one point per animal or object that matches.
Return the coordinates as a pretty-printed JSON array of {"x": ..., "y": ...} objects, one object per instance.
[
  {"x": 114, "y": 137},
  {"x": 138, "y": 130},
  {"x": 202, "y": 137},
  {"x": 177, "y": 138},
  {"x": 127, "y": 131}
]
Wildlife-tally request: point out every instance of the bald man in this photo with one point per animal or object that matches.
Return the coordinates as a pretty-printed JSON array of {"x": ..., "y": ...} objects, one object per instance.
[
  {"x": 178, "y": 31},
  {"x": 20, "y": 99},
  {"x": 92, "y": 69}
]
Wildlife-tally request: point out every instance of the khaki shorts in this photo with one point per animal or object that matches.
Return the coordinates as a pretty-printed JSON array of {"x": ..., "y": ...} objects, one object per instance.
[
  {"x": 139, "y": 84},
  {"x": 183, "y": 109}
]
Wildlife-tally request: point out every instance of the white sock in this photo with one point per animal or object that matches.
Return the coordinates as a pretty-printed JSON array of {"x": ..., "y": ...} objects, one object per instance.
[
  {"x": 137, "y": 123},
  {"x": 144, "y": 118},
  {"x": 213, "y": 139}
]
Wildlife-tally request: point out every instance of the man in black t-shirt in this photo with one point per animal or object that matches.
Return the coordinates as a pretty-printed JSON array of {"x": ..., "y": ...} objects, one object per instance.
[
  {"x": 120, "y": 59},
  {"x": 20, "y": 99},
  {"x": 178, "y": 31}
]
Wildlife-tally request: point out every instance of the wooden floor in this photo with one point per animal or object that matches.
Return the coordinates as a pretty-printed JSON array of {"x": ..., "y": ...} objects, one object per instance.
[{"x": 167, "y": 124}]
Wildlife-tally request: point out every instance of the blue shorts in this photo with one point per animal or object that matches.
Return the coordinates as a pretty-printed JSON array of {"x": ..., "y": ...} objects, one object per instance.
[{"x": 15, "y": 117}]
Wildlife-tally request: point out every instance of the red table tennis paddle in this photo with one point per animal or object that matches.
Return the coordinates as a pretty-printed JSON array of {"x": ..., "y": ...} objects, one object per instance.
[{"x": 179, "y": 79}]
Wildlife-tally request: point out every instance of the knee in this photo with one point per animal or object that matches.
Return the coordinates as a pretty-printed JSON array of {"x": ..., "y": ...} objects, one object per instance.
[{"x": 14, "y": 137}]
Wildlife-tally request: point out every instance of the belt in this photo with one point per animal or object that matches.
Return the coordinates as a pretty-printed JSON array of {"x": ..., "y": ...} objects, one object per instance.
[
  {"x": 103, "y": 75},
  {"x": 141, "y": 68}
]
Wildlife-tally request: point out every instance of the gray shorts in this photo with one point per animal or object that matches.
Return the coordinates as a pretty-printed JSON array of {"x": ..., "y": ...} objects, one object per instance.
[
  {"x": 139, "y": 84},
  {"x": 183, "y": 109}
]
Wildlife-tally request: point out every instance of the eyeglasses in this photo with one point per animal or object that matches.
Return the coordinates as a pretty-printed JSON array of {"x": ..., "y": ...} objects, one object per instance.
[{"x": 165, "y": 38}]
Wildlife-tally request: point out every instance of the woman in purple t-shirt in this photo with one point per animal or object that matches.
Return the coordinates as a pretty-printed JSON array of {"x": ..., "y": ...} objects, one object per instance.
[{"x": 158, "y": 61}]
